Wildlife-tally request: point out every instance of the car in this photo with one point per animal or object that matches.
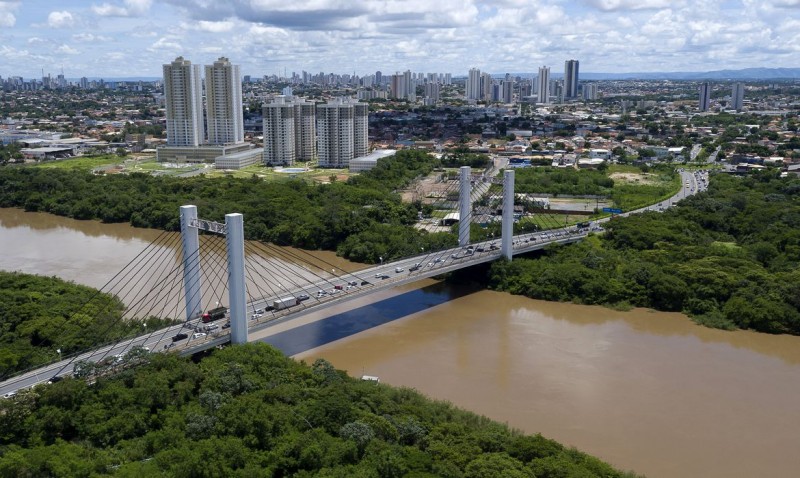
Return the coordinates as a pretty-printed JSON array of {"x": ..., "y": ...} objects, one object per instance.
[
  {"x": 365, "y": 282},
  {"x": 415, "y": 267},
  {"x": 54, "y": 379},
  {"x": 353, "y": 283},
  {"x": 481, "y": 248},
  {"x": 256, "y": 316},
  {"x": 338, "y": 287},
  {"x": 321, "y": 293},
  {"x": 437, "y": 260},
  {"x": 259, "y": 311},
  {"x": 302, "y": 297},
  {"x": 211, "y": 327},
  {"x": 226, "y": 325},
  {"x": 455, "y": 256},
  {"x": 9, "y": 395},
  {"x": 199, "y": 335},
  {"x": 180, "y": 336},
  {"x": 384, "y": 276},
  {"x": 398, "y": 270}
]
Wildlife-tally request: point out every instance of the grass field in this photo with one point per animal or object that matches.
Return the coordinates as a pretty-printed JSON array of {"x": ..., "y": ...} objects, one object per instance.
[
  {"x": 148, "y": 164},
  {"x": 84, "y": 163}
]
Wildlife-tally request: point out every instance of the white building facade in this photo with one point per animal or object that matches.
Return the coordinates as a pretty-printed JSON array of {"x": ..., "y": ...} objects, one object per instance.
[
  {"x": 279, "y": 133},
  {"x": 543, "y": 85},
  {"x": 342, "y": 127},
  {"x": 183, "y": 91},
  {"x": 224, "y": 103}
]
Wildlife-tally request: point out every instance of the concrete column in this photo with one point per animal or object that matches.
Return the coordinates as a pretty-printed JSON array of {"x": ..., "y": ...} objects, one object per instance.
[
  {"x": 236, "y": 286},
  {"x": 464, "y": 206},
  {"x": 191, "y": 263},
  {"x": 508, "y": 214}
]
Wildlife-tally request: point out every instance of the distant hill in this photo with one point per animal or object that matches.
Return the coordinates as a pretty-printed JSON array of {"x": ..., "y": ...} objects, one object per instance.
[{"x": 743, "y": 74}]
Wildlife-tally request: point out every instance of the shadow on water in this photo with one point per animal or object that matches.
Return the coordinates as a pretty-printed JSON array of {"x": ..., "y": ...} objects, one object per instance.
[{"x": 339, "y": 326}]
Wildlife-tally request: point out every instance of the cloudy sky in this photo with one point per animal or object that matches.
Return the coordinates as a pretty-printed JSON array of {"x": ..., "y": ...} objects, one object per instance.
[{"x": 126, "y": 38}]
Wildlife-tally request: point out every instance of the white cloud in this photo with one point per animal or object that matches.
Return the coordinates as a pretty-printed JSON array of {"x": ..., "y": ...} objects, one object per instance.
[
  {"x": 613, "y": 5},
  {"x": 67, "y": 50},
  {"x": 7, "y": 17},
  {"x": 165, "y": 44},
  {"x": 63, "y": 19},
  {"x": 131, "y": 8},
  {"x": 211, "y": 27},
  {"x": 89, "y": 37}
]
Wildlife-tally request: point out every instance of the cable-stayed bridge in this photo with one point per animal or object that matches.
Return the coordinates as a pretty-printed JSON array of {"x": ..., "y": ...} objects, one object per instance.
[{"x": 260, "y": 285}]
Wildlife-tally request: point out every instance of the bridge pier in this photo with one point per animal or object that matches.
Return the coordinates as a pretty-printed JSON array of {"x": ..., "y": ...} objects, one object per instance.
[
  {"x": 191, "y": 262},
  {"x": 506, "y": 245},
  {"x": 464, "y": 205},
  {"x": 236, "y": 286}
]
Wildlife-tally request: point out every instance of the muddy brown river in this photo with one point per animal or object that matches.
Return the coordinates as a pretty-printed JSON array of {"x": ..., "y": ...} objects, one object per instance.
[{"x": 646, "y": 391}]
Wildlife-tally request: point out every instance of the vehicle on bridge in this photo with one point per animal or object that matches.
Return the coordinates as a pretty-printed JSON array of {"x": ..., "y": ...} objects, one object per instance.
[
  {"x": 285, "y": 302},
  {"x": 215, "y": 314}
]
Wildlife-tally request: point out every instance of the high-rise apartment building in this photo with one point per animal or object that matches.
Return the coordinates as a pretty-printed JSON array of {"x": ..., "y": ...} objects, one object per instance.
[
  {"x": 360, "y": 129},
  {"x": 571, "y": 79},
  {"x": 543, "y": 85},
  {"x": 341, "y": 132},
  {"x": 401, "y": 86},
  {"x": 589, "y": 91},
  {"x": 486, "y": 87},
  {"x": 704, "y": 96},
  {"x": 279, "y": 133},
  {"x": 737, "y": 96},
  {"x": 183, "y": 91},
  {"x": 305, "y": 129},
  {"x": 432, "y": 92},
  {"x": 289, "y": 130},
  {"x": 224, "y": 103},
  {"x": 473, "y": 86},
  {"x": 507, "y": 91}
]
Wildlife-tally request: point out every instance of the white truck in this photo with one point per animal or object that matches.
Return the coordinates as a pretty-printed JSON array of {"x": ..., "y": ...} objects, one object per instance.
[{"x": 285, "y": 302}]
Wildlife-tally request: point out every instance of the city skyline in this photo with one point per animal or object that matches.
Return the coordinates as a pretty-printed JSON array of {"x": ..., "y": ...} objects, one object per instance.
[{"x": 127, "y": 38}]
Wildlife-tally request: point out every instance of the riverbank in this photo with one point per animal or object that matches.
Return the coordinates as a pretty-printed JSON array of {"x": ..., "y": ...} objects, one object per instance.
[{"x": 645, "y": 390}]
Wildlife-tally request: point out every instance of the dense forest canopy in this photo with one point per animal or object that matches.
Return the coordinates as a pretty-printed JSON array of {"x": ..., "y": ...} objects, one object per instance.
[
  {"x": 41, "y": 315},
  {"x": 728, "y": 257},
  {"x": 249, "y": 411},
  {"x": 362, "y": 218}
]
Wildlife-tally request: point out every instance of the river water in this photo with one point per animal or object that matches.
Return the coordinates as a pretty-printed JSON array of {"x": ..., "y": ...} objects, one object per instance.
[{"x": 647, "y": 391}]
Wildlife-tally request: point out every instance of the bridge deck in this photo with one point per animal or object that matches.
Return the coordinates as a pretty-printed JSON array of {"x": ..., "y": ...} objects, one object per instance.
[{"x": 379, "y": 277}]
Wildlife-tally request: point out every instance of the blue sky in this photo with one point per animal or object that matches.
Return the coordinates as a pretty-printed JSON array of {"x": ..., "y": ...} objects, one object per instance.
[{"x": 125, "y": 38}]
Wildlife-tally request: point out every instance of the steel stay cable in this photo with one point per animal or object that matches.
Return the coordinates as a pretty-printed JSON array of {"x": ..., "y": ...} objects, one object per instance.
[
  {"x": 152, "y": 246},
  {"x": 138, "y": 305}
]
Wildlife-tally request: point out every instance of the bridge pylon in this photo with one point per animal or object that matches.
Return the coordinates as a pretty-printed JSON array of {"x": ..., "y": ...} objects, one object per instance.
[
  {"x": 507, "y": 230},
  {"x": 464, "y": 205},
  {"x": 191, "y": 262},
  {"x": 236, "y": 284},
  {"x": 233, "y": 230}
]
